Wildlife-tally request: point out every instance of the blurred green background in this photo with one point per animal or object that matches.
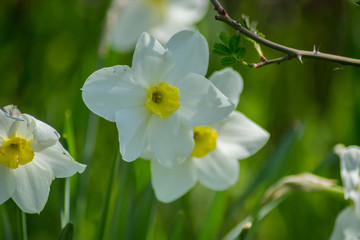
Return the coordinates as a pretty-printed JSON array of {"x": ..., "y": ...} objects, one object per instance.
[{"x": 49, "y": 48}]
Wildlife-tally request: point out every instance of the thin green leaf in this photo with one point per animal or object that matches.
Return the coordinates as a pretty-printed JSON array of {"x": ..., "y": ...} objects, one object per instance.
[
  {"x": 224, "y": 37},
  {"x": 253, "y": 219},
  {"x": 144, "y": 213},
  {"x": 215, "y": 217},
  {"x": 228, "y": 61},
  {"x": 67, "y": 233},
  {"x": 272, "y": 169},
  {"x": 106, "y": 200},
  {"x": 221, "y": 49},
  {"x": 177, "y": 228},
  {"x": 246, "y": 21},
  {"x": 258, "y": 49},
  {"x": 69, "y": 133}
]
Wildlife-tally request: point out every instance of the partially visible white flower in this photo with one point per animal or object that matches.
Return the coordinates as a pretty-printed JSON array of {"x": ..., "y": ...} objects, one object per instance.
[
  {"x": 347, "y": 225},
  {"x": 350, "y": 174},
  {"x": 161, "y": 18},
  {"x": 160, "y": 99},
  {"x": 31, "y": 156},
  {"x": 214, "y": 159}
]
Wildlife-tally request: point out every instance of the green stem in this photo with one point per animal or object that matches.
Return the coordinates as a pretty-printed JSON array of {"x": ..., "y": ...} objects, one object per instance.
[
  {"x": 66, "y": 218},
  {"x": 106, "y": 202},
  {"x": 23, "y": 228},
  {"x": 335, "y": 189}
]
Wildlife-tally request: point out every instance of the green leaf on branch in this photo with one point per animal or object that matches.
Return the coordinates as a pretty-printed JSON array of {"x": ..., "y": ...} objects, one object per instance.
[
  {"x": 252, "y": 26},
  {"x": 240, "y": 53},
  {"x": 228, "y": 61},
  {"x": 221, "y": 49},
  {"x": 230, "y": 48},
  {"x": 224, "y": 37},
  {"x": 358, "y": 3},
  {"x": 234, "y": 43}
]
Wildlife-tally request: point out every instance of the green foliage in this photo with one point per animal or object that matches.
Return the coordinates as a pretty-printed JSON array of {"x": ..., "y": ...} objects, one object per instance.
[
  {"x": 221, "y": 49},
  {"x": 67, "y": 233},
  {"x": 252, "y": 26},
  {"x": 230, "y": 48},
  {"x": 358, "y": 3},
  {"x": 228, "y": 61}
]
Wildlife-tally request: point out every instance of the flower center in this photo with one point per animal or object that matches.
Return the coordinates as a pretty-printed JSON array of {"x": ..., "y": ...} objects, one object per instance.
[
  {"x": 205, "y": 141},
  {"x": 163, "y": 99},
  {"x": 15, "y": 151},
  {"x": 159, "y": 6},
  {"x": 159, "y": 2}
]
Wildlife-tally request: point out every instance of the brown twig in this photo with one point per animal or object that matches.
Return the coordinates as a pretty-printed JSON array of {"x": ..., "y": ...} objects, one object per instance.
[{"x": 291, "y": 52}]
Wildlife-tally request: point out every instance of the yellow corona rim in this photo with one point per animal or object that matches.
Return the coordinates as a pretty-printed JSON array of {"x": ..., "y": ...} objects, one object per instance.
[
  {"x": 205, "y": 141},
  {"x": 15, "y": 151},
  {"x": 163, "y": 99}
]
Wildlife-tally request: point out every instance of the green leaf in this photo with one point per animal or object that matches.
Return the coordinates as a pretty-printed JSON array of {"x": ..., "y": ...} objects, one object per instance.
[
  {"x": 67, "y": 233},
  {"x": 228, "y": 61},
  {"x": 260, "y": 34},
  {"x": 252, "y": 220},
  {"x": 224, "y": 37},
  {"x": 240, "y": 53},
  {"x": 358, "y": 3},
  {"x": 234, "y": 43},
  {"x": 221, "y": 49},
  {"x": 246, "y": 21},
  {"x": 214, "y": 219}
]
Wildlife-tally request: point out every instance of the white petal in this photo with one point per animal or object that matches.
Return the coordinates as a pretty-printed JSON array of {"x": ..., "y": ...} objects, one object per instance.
[
  {"x": 164, "y": 31},
  {"x": 7, "y": 183},
  {"x": 170, "y": 184},
  {"x": 135, "y": 18},
  {"x": 151, "y": 61},
  {"x": 42, "y": 131},
  {"x": 350, "y": 167},
  {"x": 5, "y": 124},
  {"x": 57, "y": 160},
  {"x": 132, "y": 124},
  {"x": 21, "y": 127},
  {"x": 347, "y": 225},
  {"x": 186, "y": 11},
  {"x": 110, "y": 89},
  {"x": 229, "y": 82},
  {"x": 191, "y": 53},
  {"x": 201, "y": 103},
  {"x": 239, "y": 137},
  {"x": 171, "y": 141},
  {"x": 217, "y": 171},
  {"x": 32, "y": 187}
]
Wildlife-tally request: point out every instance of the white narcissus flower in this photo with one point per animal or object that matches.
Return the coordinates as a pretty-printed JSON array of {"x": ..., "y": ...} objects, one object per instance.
[
  {"x": 160, "y": 99},
  {"x": 347, "y": 226},
  {"x": 161, "y": 18},
  {"x": 31, "y": 156},
  {"x": 214, "y": 159},
  {"x": 350, "y": 174}
]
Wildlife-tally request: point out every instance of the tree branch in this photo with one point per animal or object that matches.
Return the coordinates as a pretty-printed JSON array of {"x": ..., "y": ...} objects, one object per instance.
[{"x": 291, "y": 52}]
